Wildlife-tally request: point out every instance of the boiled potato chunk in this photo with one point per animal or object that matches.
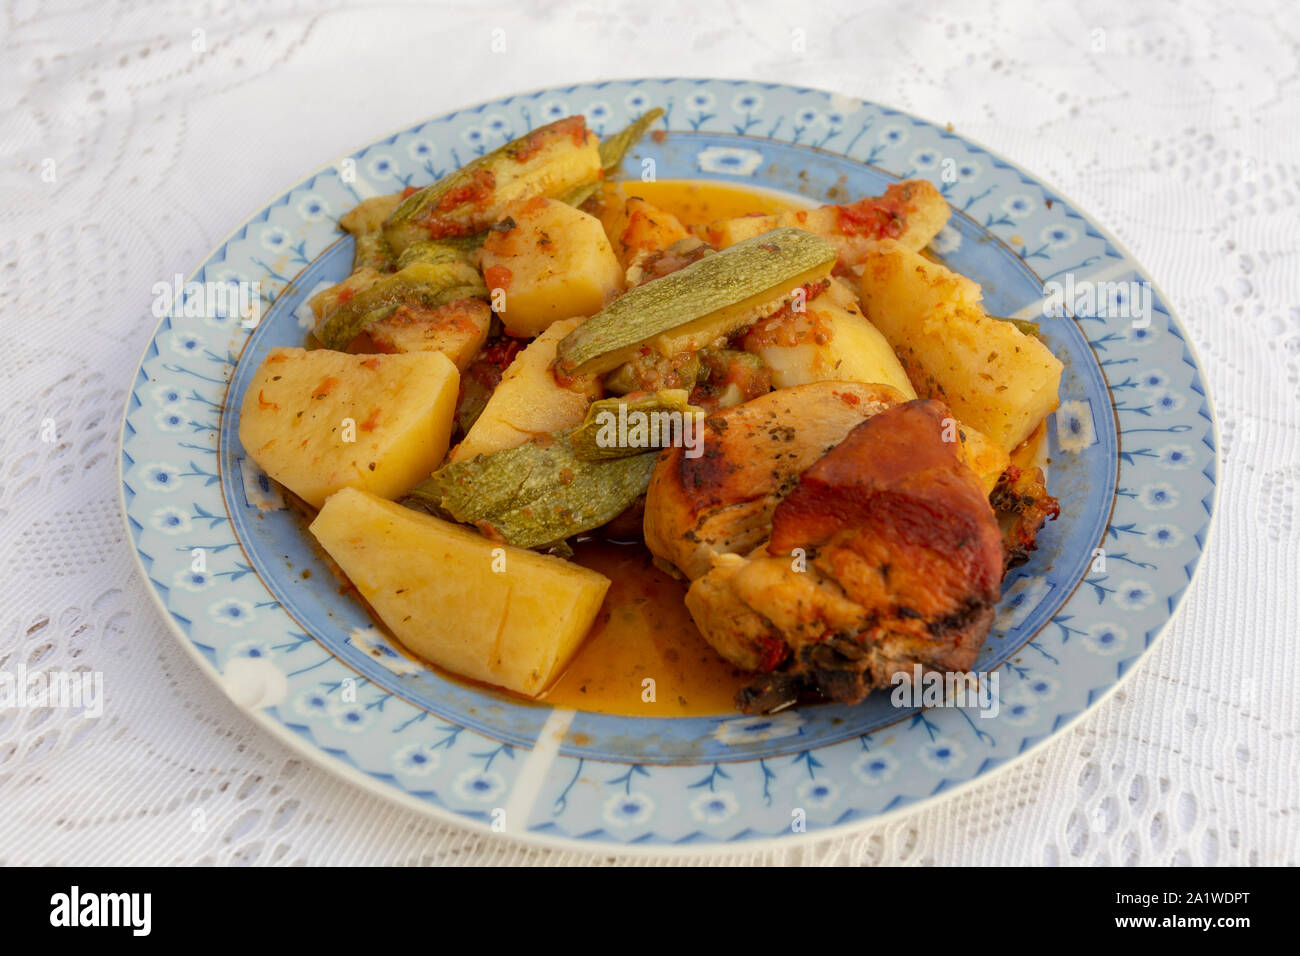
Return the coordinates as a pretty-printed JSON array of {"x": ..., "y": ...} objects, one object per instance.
[
  {"x": 635, "y": 226},
  {"x": 554, "y": 264},
  {"x": 529, "y": 401},
  {"x": 993, "y": 376},
  {"x": 830, "y": 341},
  {"x": 322, "y": 420},
  {"x": 487, "y": 611}
]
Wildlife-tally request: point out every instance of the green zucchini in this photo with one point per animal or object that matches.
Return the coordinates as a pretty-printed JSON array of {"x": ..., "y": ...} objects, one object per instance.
[
  {"x": 613, "y": 148},
  {"x": 688, "y": 309},
  {"x": 1024, "y": 325},
  {"x": 618, "y": 427},
  {"x": 537, "y": 494},
  {"x": 371, "y": 251},
  {"x": 551, "y": 161},
  {"x": 423, "y": 283},
  {"x": 369, "y": 214},
  {"x": 435, "y": 251},
  {"x": 365, "y": 222}
]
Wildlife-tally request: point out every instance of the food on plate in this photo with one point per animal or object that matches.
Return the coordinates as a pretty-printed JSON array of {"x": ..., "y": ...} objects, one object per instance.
[
  {"x": 433, "y": 584},
  {"x": 529, "y": 401},
  {"x": 885, "y": 554},
  {"x": 910, "y": 212},
  {"x": 991, "y": 374},
  {"x": 317, "y": 421},
  {"x": 707, "y": 300},
  {"x": 790, "y": 424},
  {"x": 550, "y": 261}
]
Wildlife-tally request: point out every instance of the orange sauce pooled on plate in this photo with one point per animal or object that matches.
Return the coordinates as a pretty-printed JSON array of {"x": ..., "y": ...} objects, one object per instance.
[
  {"x": 697, "y": 202},
  {"x": 643, "y": 631}
]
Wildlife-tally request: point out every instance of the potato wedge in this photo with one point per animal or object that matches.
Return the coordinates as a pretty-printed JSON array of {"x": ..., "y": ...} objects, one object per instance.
[
  {"x": 529, "y": 402},
  {"x": 487, "y": 611},
  {"x": 636, "y": 226},
  {"x": 554, "y": 263},
  {"x": 831, "y": 341},
  {"x": 321, "y": 420},
  {"x": 993, "y": 376}
]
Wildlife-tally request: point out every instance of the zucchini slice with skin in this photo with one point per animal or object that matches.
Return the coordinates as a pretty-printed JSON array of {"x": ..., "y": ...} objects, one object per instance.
[
  {"x": 611, "y": 419},
  {"x": 615, "y": 146},
  {"x": 551, "y": 161},
  {"x": 537, "y": 494},
  {"x": 430, "y": 284},
  {"x": 689, "y": 308},
  {"x": 435, "y": 251},
  {"x": 371, "y": 251}
]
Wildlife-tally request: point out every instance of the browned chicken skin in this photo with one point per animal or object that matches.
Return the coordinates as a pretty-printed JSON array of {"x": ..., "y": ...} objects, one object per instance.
[
  {"x": 1023, "y": 506},
  {"x": 722, "y": 501},
  {"x": 885, "y": 554}
]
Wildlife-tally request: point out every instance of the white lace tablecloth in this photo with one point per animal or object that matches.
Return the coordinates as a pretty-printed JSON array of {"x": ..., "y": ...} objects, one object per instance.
[{"x": 128, "y": 154}]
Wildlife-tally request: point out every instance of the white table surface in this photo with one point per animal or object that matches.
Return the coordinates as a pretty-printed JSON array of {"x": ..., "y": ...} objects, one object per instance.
[{"x": 1175, "y": 124}]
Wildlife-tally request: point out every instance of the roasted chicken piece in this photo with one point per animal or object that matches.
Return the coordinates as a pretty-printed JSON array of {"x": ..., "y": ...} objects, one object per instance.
[
  {"x": 1023, "y": 506},
  {"x": 722, "y": 501},
  {"x": 885, "y": 554}
]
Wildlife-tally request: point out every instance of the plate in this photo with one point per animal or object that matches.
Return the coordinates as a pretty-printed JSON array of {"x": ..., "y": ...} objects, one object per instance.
[{"x": 1133, "y": 450}]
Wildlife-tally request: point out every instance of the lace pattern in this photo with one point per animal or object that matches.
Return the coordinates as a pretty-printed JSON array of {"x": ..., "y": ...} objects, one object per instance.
[{"x": 135, "y": 138}]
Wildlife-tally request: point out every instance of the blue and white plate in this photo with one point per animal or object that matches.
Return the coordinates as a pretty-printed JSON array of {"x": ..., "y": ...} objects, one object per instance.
[{"x": 1133, "y": 462}]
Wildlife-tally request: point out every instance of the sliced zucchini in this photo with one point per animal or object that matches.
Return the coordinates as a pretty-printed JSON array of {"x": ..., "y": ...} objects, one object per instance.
[
  {"x": 536, "y": 494},
  {"x": 694, "y": 306},
  {"x": 612, "y": 150},
  {"x": 369, "y": 214},
  {"x": 435, "y": 251},
  {"x": 365, "y": 222},
  {"x": 618, "y": 427},
  {"x": 372, "y": 252},
  {"x": 551, "y": 161},
  {"x": 614, "y": 147},
  {"x": 428, "y": 284}
]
